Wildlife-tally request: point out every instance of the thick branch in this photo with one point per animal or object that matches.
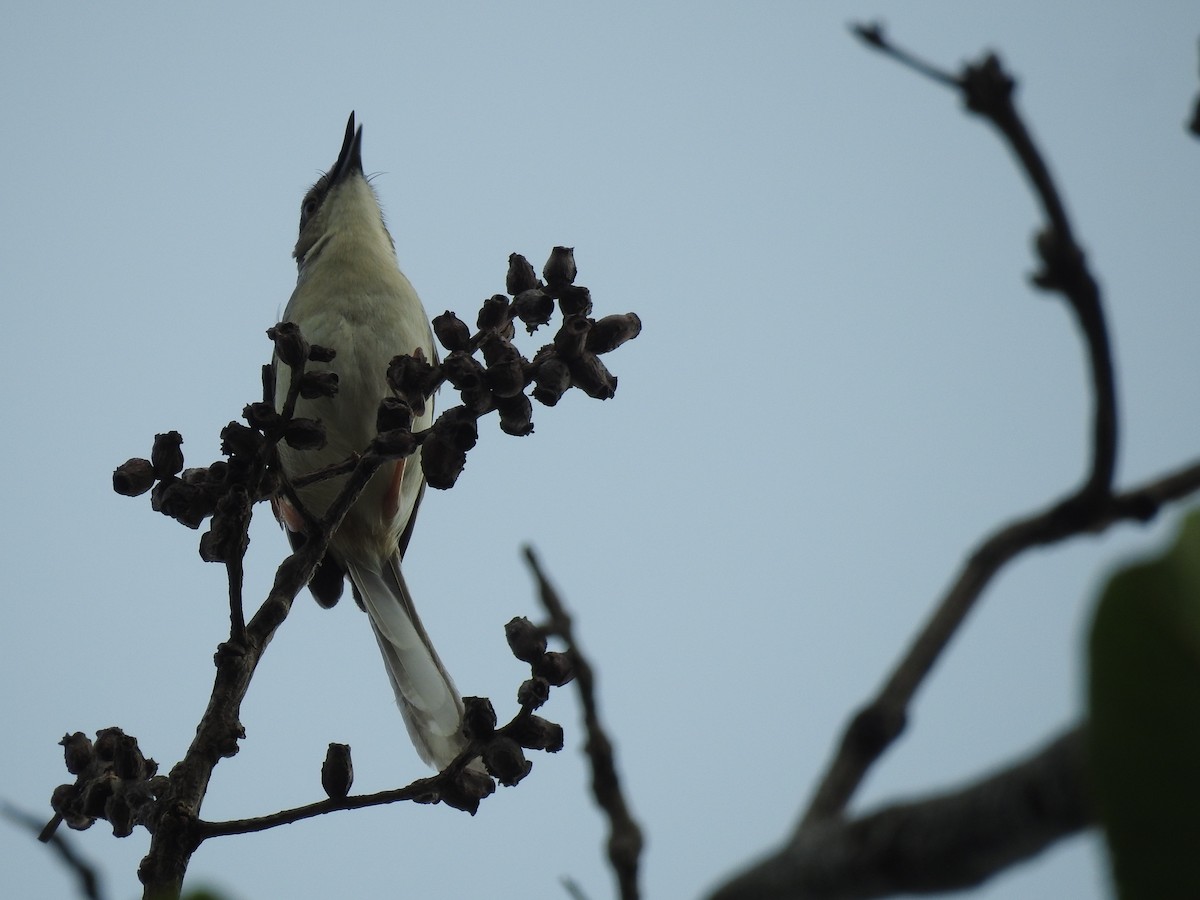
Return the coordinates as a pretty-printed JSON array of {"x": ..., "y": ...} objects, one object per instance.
[
  {"x": 949, "y": 842},
  {"x": 878, "y": 723},
  {"x": 175, "y": 836}
]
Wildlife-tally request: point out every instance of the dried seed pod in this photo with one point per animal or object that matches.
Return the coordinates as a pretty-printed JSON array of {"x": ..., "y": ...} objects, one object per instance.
[
  {"x": 399, "y": 443},
  {"x": 78, "y": 751},
  {"x": 261, "y": 416},
  {"x": 465, "y": 790},
  {"x": 534, "y": 307},
  {"x": 119, "y": 814},
  {"x": 572, "y": 335},
  {"x": 479, "y": 717},
  {"x": 318, "y": 384},
  {"x": 526, "y": 640},
  {"x": 506, "y": 379},
  {"x": 533, "y": 692},
  {"x": 611, "y": 332},
  {"x": 305, "y": 434},
  {"x": 337, "y": 772},
  {"x": 560, "y": 270},
  {"x": 493, "y": 314},
  {"x": 592, "y": 377},
  {"x": 574, "y": 300},
  {"x": 555, "y": 668},
  {"x": 451, "y": 331},
  {"x": 516, "y": 415},
  {"x": 505, "y": 760},
  {"x": 551, "y": 381},
  {"x": 413, "y": 378},
  {"x": 521, "y": 276},
  {"x": 166, "y": 457},
  {"x": 240, "y": 440},
  {"x": 497, "y": 349},
  {"x": 290, "y": 345},
  {"x": 536, "y": 733},
  {"x": 444, "y": 453},
  {"x": 128, "y": 762},
  {"x": 133, "y": 477},
  {"x": 393, "y": 412},
  {"x": 457, "y": 426},
  {"x": 463, "y": 370}
]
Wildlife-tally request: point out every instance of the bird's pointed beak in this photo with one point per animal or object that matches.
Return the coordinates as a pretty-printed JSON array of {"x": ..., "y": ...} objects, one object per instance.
[{"x": 349, "y": 161}]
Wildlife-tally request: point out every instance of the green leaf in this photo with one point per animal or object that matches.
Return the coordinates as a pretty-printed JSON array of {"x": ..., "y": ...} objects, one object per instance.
[{"x": 1144, "y": 730}]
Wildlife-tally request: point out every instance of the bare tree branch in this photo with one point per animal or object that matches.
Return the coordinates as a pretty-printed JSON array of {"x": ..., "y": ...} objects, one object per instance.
[
  {"x": 949, "y": 842},
  {"x": 84, "y": 871},
  {"x": 625, "y": 835},
  {"x": 987, "y": 90}
]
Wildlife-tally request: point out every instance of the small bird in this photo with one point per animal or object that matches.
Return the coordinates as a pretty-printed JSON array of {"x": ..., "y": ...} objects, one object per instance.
[{"x": 352, "y": 297}]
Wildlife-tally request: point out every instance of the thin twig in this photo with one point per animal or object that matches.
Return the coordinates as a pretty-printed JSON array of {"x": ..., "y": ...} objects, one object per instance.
[
  {"x": 988, "y": 91},
  {"x": 625, "y": 835},
  {"x": 418, "y": 791},
  {"x": 84, "y": 871}
]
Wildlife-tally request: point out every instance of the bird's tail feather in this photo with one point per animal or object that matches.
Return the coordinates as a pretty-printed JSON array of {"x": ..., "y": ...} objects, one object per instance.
[{"x": 427, "y": 698}]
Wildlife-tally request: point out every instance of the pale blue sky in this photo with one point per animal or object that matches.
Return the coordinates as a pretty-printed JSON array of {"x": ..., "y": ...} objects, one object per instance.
[{"x": 842, "y": 383}]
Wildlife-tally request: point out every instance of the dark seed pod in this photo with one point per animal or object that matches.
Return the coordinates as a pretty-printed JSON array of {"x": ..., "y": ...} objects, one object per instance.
[
  {"x": 611, "y": 332},
  {"x": 465, "y": 790},
  {"x": 337, "y": 772},
  {"x": 574, "y": 300},
  {"x": 555, "y": 668},
  {"x": 516, "y": 415},
  {"x": 559, "y": 270},
  {"x": 398, "y": 443},
  {"x": 166, "y": 457},
  {"x": 96, "y": 794},
  {"x": 457, "y": 427},
  {"x": 526, "y": 640},
  {"x": 393, "y": 412},
  {"x": 133, "y": 477},
  {"x": 506, "y": 379},
  {"x": 505, "y": 760},
  {"x": 521, "y": 276},
  {"x": 463, "y": 370},
  {"x": 493, "y": 315},
  {"x": 239, "y": 440},
  {"x": 533, "y": 692},
  {"x": 318, "y": 384},
  {"x": 77, "y": 751},
  {"x": 479, "y": 717},
  {"x": 261, "y": 416},
  {"x": 119, "y": 814},
  {"x": 305, "y": 434},
  {"x": 534, "y": 307},
  {"x": 536, "y": 733},
  {"x": 571, "y": 336},
  {"x": 551, "y": 381},
  {"x": 451, "y": 331},
  {"x": 128, "y": 762},
  {"x": 290, "y": 345},
  {"x": 592, "y": 377}
]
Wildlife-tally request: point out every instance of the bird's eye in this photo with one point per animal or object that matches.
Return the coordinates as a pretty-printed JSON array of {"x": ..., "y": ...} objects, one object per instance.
[{"x": 309, "y": 209}]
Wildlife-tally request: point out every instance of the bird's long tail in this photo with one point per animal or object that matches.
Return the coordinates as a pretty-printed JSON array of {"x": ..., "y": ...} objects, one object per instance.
[{"x": 425, "y": 694}]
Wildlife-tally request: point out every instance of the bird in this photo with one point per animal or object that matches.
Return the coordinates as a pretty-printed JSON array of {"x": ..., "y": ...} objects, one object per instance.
[{"x": 351, "y": 296}]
